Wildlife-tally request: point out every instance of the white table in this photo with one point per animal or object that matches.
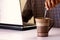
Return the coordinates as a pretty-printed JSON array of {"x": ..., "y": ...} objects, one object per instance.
[{"x": 6, "y": 34}]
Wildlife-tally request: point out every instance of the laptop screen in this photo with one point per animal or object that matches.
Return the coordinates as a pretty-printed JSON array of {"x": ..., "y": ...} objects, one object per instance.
[{"x": 10, "y": 12}]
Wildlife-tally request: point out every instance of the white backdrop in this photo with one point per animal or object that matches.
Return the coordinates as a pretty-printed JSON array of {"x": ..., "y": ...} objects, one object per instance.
[{"x": 10, "y": 12}]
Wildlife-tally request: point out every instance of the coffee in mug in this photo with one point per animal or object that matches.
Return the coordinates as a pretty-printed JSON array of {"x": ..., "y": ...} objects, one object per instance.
[{"x": 43, "y": 26}]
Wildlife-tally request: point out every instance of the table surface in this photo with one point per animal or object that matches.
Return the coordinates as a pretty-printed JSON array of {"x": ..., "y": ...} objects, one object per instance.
[{"x": 5, "y": 34}]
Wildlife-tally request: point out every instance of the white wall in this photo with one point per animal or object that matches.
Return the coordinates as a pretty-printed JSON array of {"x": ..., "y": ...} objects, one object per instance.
[{"x": 10, "y": 12}]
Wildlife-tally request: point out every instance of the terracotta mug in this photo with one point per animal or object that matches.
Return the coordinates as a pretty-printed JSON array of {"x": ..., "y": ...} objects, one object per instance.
[{"x": 43, "y": 26}]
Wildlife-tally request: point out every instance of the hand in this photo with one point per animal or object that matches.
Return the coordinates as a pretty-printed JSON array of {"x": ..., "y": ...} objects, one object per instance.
[{"x": 49, "y": 4}]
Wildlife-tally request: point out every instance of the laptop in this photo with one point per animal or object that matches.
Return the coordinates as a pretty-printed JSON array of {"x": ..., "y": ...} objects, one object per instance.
[{"x": 11, "y": 16}]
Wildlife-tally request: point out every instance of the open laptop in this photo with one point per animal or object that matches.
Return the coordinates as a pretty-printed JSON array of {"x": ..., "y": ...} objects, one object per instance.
[{"x": 10, "y": 16}]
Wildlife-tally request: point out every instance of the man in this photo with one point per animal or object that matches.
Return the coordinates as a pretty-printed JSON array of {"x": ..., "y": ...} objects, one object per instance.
[
  {"x": 36, "y": 8},
  {"x": 54, "y": 12},
  {"x": 33, "y": 8}
]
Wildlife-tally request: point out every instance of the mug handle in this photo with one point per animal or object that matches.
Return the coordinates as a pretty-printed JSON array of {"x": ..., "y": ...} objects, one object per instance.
[{"x": 51, "y": 25}]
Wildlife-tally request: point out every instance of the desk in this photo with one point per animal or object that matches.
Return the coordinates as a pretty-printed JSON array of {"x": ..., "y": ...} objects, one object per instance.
[{"x": 6, "y": 34}]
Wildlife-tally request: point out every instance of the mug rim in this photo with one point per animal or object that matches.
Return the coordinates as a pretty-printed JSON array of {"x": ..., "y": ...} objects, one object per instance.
[{"x": 40, "y": 18}]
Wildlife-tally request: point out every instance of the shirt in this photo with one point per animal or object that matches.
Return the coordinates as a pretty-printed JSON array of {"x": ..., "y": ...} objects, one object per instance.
[{"x": 36, "y": 8}]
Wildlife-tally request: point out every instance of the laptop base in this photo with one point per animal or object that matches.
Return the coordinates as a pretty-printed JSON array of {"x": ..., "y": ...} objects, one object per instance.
[{"x": 16, "y": 27}]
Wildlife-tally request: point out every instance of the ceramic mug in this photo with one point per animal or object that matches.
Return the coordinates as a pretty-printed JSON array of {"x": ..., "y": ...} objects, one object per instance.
[{"x": 43, "y": 26}]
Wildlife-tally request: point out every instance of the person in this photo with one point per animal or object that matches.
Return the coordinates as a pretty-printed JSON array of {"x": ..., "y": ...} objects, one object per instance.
[
  {"x": 53, "y": 7},
  {"x": 33, "y": 8},
  {"x": 36, "y": 8},
  {"x": 49, "y": 4}
]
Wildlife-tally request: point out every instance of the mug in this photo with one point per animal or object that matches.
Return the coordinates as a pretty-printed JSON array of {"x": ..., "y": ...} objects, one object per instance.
[{"x": 43, "y": 26}]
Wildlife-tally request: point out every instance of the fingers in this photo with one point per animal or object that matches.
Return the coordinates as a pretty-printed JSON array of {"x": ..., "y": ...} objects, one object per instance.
[
  {"x": 49, "y": 4},
  {"x": 46, "y": 5},
  {"x": 53, "y": 3}
]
